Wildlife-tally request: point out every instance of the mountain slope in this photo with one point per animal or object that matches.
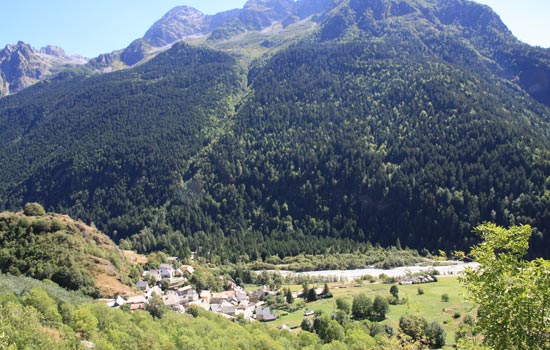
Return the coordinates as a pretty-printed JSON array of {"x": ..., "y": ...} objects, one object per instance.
[
  {"x": 394, "y": 122},
  {"x": 115, "y": 142}
]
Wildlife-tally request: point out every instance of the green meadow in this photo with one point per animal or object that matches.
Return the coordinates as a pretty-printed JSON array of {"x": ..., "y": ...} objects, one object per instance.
[{"x": 428, "y": 305}]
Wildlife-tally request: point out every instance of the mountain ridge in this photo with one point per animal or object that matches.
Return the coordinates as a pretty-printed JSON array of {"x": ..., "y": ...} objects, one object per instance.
[{"x": 21, "y": 65}]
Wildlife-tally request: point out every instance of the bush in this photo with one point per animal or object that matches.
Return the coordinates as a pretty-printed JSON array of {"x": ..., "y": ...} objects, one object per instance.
[
  {"x": 193, "y": 310},
  {"x": 376, "y": 329},
  {"x": 312, "y": 295},
  {"x": 343, "y": 304},
  {"x": 413, "y": 326},
  {"x": 456, "y": 315},
  {"x": 420, "y": 291},
  {"x": 380, "y": 306},
  {"x": 435, "y": 334},
  {"x": 361, "y": 307},
  {"x": 57, "y": 225},
  {"x": 445, "y": 298},
  {"x": 42, "y": 225},
  {"x": 307, "y": 325},
  {"x": 469, "y": 320},
  {"x": 34, "y": 209},
  {"x": 394, "y": 291}
]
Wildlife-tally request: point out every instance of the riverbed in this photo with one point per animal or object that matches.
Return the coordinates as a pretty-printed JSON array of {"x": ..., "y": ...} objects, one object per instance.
[{"x": 450, "y": 268}]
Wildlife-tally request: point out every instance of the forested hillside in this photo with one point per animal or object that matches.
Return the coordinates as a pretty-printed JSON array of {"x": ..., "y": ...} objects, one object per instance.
[
  {"x": 401, "y": 123},
  {"x": 111, "y": 148},
  {"x": 54, "y": 247}
]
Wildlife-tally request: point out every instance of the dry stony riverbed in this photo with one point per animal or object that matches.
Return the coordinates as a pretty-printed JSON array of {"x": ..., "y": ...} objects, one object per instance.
[{"x": 444, "y": 268}]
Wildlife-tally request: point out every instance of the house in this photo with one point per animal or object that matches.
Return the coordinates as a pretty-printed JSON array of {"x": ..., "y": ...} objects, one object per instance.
[
  {"x": 240, "y": 294},
  {"x": 218, "y": 298},
  {"x": 155, "y": 273},
  {"x": 137, "y": 302},
  {"x": 265, "y": 315},
  {"x": 228, "y": 308},
  {"x": 154, "y": 290},
  {"x": 309, "y": 312},
  {"x": 258, "y": 295},
  {"x": 186, "y": 291},
  {"x": 188, "y": 270},
  {"x": 166, "y": 271},
  {"x": 143, "y": 285},
  {"x": 172, "y": 300},
  {"x": 246, "y": 309},
  {"x": 205, "y": 296},
  {"x": 216, "y": 308},
  {"x": 118, "y": 302}
]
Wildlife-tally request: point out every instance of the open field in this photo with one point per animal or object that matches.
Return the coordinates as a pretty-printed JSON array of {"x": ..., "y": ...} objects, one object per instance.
[{"x": 429, "y": 305}]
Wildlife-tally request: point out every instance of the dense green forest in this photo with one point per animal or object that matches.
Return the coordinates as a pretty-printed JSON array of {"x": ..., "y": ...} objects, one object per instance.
[{"x": 396, "y": 123}]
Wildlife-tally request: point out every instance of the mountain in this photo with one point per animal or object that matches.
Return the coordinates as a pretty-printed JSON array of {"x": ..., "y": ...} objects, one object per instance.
[
  {"x": 220, "y": 31},
  {"x": 184, "y": 22},
  {"x": 21, "y": 65},
  {"x": 68, "y": 252},
  {"x": 295, "y": 127}
]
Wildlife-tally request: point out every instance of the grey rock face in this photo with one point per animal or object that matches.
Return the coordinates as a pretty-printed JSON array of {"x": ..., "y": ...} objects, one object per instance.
[{"x": 21, "y": 65}]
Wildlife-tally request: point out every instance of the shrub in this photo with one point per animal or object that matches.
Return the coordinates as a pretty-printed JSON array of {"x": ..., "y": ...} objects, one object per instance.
[
  {"x": 413, "y": 326},
  {"x": 380, "y": 306},
  {"x": 57, "y": 225},
  {"x": 469, "y": 320},
  {"x": 420, "y": 291},
  {"x": 307, "y": 325},
  {"x": 42, "y": 225},
  {"x": 435, "y": 334},
  {"x": 193, "y": 310},
  {"x": 312, "y": 295},
  {"x": 445, "y": 298},
  {"x": 376, "y": 329},
  {"x": 361, "y": 307},
  {"x": 34, "y": 209},
  {"x": 456, "y": 315},
  {"x": 394, "y": 291},
  {"x": 343, "y": 304}
]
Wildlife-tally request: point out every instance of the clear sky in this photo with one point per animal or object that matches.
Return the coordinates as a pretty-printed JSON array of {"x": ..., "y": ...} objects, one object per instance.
[{"x": 92, "y": 27}]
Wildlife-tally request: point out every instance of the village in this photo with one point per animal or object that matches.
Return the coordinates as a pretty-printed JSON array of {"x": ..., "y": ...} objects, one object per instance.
[{"x": 170, "y": 283}]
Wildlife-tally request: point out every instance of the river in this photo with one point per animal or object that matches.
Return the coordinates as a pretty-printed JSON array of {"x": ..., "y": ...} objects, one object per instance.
[{"x": 444, "y": 269}]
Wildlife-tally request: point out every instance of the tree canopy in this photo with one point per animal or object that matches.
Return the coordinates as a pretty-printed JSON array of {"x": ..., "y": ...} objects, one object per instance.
[{"x": 512, "y": 293}]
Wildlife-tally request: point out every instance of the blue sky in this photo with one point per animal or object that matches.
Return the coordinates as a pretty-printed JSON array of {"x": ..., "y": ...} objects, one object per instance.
[{"x": 90, "y": 28}]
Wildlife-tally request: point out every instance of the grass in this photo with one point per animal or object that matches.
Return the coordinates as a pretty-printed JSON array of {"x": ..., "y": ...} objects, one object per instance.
[{"x": 427, "y": 305}]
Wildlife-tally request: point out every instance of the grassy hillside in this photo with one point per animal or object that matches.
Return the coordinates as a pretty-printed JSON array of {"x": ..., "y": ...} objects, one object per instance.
[{"x": 68, "y": 252}]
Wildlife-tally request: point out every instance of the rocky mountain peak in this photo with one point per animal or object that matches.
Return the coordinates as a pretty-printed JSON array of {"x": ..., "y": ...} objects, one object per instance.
[
  {"x": 53, "y": 51},
  {"x": 21, "y": 65},
  {"x": 178, "y": 23}
]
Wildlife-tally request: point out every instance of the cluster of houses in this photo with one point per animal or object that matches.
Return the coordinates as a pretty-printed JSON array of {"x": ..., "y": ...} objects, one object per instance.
[
  {"x": 418, "y": 279},
  {"x": 230, "y": 303}
]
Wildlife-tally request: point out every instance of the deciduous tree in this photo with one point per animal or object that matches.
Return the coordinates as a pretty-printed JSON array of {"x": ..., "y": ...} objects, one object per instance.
[{"x": 512, "y": 293}]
